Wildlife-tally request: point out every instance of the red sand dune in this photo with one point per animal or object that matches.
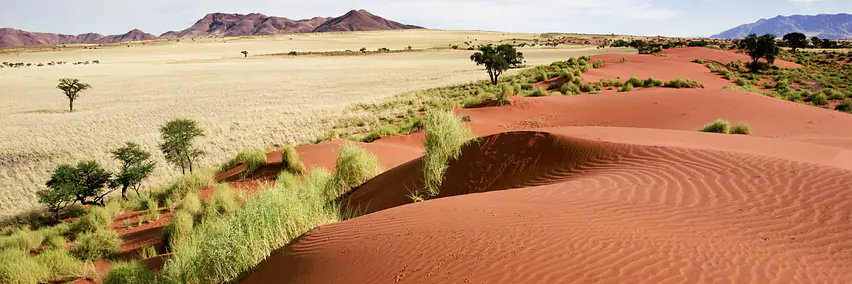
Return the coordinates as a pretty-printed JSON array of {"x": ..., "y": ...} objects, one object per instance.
[{"x": 610, "y": 188}]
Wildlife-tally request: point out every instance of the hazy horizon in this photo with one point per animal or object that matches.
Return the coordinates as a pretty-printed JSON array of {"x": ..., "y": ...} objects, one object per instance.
[{"x": 634, "y": 17}]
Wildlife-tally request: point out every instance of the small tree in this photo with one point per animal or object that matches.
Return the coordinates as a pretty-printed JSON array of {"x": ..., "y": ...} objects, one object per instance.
[
  {"x": 68, "y": 184},
  {"x": 760, "y": 47},
  {"x": 245, "y": 53},
  {"x": 178, "y": 136},
  {"x": 497, "y": 60},
  {"x": 816, "y": 42},
  {"x": 135, "y": 167},
  {"x": 72, "y": 89},
  {"x": 796, "y": 40}
]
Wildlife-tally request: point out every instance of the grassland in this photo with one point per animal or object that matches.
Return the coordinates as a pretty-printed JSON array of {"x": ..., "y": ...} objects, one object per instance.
[{"x": 241, "y": 102}]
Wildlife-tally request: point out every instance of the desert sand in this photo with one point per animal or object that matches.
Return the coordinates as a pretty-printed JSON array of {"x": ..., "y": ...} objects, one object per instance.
[{"x": 608, "y": 188}]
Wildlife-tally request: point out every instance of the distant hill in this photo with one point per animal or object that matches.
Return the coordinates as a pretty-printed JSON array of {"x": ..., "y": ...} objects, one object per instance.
[
  {"x": 217, "y": 25},
  {"x": 838, "y": 26}
]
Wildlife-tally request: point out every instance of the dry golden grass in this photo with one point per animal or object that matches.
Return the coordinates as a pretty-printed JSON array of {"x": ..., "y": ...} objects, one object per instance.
[{"x": 241, "y": 102}]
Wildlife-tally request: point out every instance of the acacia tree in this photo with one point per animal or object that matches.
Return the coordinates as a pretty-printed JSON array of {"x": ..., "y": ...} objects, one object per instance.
[
  {"x": 816, "y": 42},
  {"x": 760, "y": 47},
  {"x": 178, "y": 137},
  {"x": 72, "y": 89},
  {"x": 796, "y": 40},
  {"x": 245, "y": 53},
  {"x": 135, "y": 167},
  {"x": 85, "y": 183},
  {"x": 497, "y": 60}
]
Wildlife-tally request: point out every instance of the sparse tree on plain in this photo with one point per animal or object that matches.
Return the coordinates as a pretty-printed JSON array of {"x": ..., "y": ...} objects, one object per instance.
[
  {"x": 245, "y": 53},
  {"x": 796, "y": 40},
  {"x": 497, "y": 60},
  {"x": 178, "y": 137},
  {"x": 760, "y": 47},
  {"x": 72, "y": 89},
  {"x": 136, "y": 165},
  {"x": 85, "y": 182},
  {"x": 816, "y": 42}
]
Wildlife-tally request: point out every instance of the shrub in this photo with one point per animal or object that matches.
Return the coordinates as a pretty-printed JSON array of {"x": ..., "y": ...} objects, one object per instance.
[
  {"x": 60, "y": 263},
  {"x": 540, "y": 92},
  {"x": 191, "y": 204},
  {"x": 23, "y": 239},
  {"x": 683, "y": 83},
  {"x": 56, "y": 242},
  {"x": 180, "y": 228},
  {"x": 819, "y": 99},
  {"x": 634, "y": 81},
  {"x": 153, "y": 209},
  {"x": 586, "y": 87},
  {"x": 223, "y": 201},
  {"x": 445, "y": 135},
  {"x": 845, "y": 106},
  {"x": 98, "y": 218},
  {"x": 291, "y": 159},
  {"x": 626, "y": 88},
  {"x": 742, "y": 82},
  {"x": 833, "y": 94},
  {"x": 504, "y": 96},
  {"x": 97, "y": 245},
  {"x": 570, "y": 88},
  {"x": 718, "y": 126},
  {"x": 253, "y": 158},
  {"x": 224, "y": 249},
  {"x": 129, "y": 272},
  {"x": 597, "y": 64},
  {"x": 652, "y": 82},
  {"x": 354, "y": 167},
  {"x": 190, "y": 183},
  {"x": 741, "y": 128},
  {"x": 699, "y": 61},
  {"x": 382, "y": 131},
  {"x": 16, "y": 266},
  {"x": 287, "y": 179}
]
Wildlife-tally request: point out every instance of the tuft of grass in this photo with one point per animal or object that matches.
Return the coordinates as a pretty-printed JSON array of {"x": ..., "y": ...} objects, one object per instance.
[
  {"x": 699, "y": 61},
  {"x": 635, "y": 82},
  {"x": 570, "y": 88},
  {"x": 626, "y": 88},
  {"x": 180, "y": 228},
  {"x": 129, "y": 272},
  {"x": 24, "y": 239},
  {"x": 652, "y": 82},
  {"x": 597, "y": 64},
  {"x": 97, "y": 245},
  {"x": 115, "y": 206},
  {"x": 96, "y": 219},
  {"x": 845, "y": 106},
  {"x": 354, "y": 167},
  {"x": 222, "y": 202},
  {"x": 718, "y": 126},
  {"x": 153, "y": 209},
  {"x": 17, "y": 266},
  {"x": 683, "y": 82},
  {"x": 56, "y": 242},
  {"x": 253, "y": 158},
  {"x": 445, "y": 135},
  {"x": 291, "y": 159},
  {"x": 287, "y": 179},
  {"x": 539, "y": 92},
  {"x": 385, "y": 130},
  {"x": 504, "y": 97},
  {"x": 191, "y": 183},
  {"x": 222, "y": 250},
  {"x": 819, "y": 99},
  {"x": 147, "y": 252},
  {"x": 191, "y": 204},
  {"x": 741, "y": 128},
  {"x": 742, "y": 82},
  {"x": 60, "y": 263}
]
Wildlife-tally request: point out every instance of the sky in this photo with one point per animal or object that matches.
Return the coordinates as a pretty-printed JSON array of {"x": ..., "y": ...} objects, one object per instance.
[{"x": 635, "y": 17}]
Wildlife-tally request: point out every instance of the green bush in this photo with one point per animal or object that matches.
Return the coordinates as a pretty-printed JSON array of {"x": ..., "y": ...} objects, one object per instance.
[
  {"x": 60, "y": 263},
  {"x": 445, "y": 135},
  {"x": 56, "y": 242},
  {"x": 819, "y": 99},
  {"x": 845, "y": 106},
  {"x": 191, "y": 204},
  {"x": 16, "y": 266},
  {"x": 597, "y": 64},
  {"x": 683, "y": 83},
  {"x": 652, "y": 82},
  {"x": 570, "y": 88},
  {"x": 539, "y": 92},
  {"x": 97, "y": 245},
  {"x": 718, "y": 126},
  {"x": 354, "y": 166},
  {"x": 253, "y": 158},
  {"x": 385, "y": 130},
  {"x": 635, "y": 82},
  {"x": 24, "y": 239},
  {"x": 699, "y": 61},
  {"x": 586, "y": 87},
  {"x": 129, "y": 272},
  {"x": 180, "y": 228},
  {"x": 191, "y": 183},
  {"x": 223, "y": 201},
  {"x": 742, "y": 82},
  {"x": 834, "y": 94},
  {"x": 287, "y": 179},
  {"x": 291, "y": 159},
  {"x": 96, "y": 219},
  {"x": 504, "y": 97},
  {"x": 741, "y": 128},
  {"x": 626, "y": 88}
]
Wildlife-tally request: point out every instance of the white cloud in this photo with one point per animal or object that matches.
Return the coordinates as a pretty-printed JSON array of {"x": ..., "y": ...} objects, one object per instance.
[{"x": 803, "y": 2}]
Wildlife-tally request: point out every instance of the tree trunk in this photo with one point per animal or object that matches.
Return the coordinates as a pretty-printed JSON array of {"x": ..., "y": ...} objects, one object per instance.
[
  {"x": 70, "y": 105},
  {"x": 124, "y": 192}
]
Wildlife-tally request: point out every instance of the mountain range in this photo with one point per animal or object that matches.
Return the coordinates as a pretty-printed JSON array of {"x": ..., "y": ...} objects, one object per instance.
[
  {"x": 217, "y": 25},
  {"x": 836, "y": 26}
]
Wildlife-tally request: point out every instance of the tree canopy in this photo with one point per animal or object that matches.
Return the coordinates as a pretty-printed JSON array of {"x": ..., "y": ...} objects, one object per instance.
[
  {"x": 497, "y": 59},
  {"x": 135, "y": 167},
  {"x": 178, "y": 137},
  {"x": 85, "y": 182},
  {"x": 796, "y": 40},
  {"x": 72, "y": 89},
  {"x": 760, "y": 47}
]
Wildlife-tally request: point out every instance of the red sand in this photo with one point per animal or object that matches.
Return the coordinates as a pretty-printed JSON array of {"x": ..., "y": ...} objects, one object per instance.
[{"x": 611, "y": 188}]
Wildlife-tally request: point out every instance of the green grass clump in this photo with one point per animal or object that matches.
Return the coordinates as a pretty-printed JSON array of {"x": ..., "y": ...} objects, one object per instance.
[
  {"x": 56, "y": 242},
  {"x": 60, "y": 263},
  {"x": 354, "y": 166},
  {"x": 652, "y": 82},
  {"x": 191, "y": 183},
  {"x": 17, "y": 266},
  {"x": 291, "y": 159},
  {"x": 597, "y": 64},
  {"x": 129, "y": 272},
  {"x": 626, "y": 88},
  {"x": 819, "y": 99},
  {"x": 153, "y": 209},
  {"x": 742, "y": 82},
  {"x": 718, "y": 126},
  {"x": 682, "y": 82},
  {"x": 24, "y": 239},
  {"x": 223, "y": 201},
  {"x": 97, "y": 245},
  {"x": 699, "y": 61},
  {"x": 253, "y": 158},
  {"x": 635, "y": 82},
  {"x": 845, "y": 106},
  {"x": 445, "y": 135},
  {"x": 191, "y": 204},
  {"x": 570, "y": 88},
  {"x": 741, "y": 128},
  {"x": 180, "y": 228},
  {"x": 287, "y": 179},
  {"x": 226, "y": 248},
  {"x": 539, "y": 92},
  {"x": 385, "y": 130},
  {"x": 97, "y": 218},
  {"x": 834, "y": 94},
  {"x": 504, "y": 97}
]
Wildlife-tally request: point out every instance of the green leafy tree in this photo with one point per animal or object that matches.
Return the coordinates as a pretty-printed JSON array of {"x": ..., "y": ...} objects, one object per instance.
[
  {"x": 756, "y": 47},
  {"x": 136, "y": 165},
  {"x": 816, "y": 42},
  {"x": 178, "y": 137},
  {"x": 245, "y": 53},
  {"x": 85, "y": 183},
  {"x": 796, "y": 40},
  {"x": 72, "y": 89},
  {"x": 498, "y": 60}
]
